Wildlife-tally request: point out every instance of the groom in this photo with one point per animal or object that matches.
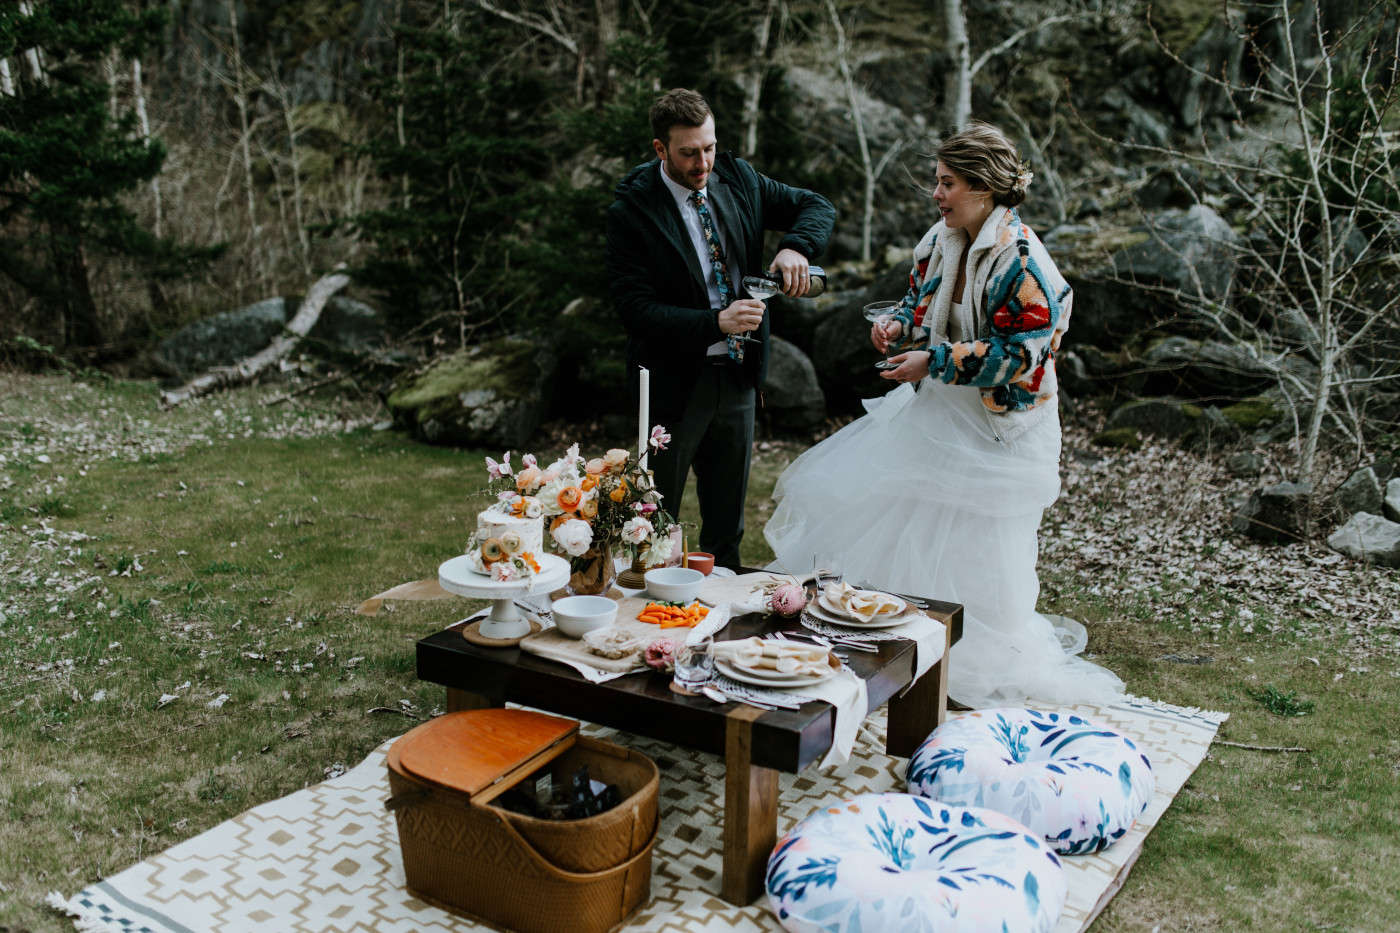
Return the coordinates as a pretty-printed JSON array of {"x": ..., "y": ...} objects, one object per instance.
[{"x": 682, "y": 233}]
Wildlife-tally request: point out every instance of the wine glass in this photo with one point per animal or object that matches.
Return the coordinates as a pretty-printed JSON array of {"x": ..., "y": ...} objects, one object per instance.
[{"x": 875, "y": 312}]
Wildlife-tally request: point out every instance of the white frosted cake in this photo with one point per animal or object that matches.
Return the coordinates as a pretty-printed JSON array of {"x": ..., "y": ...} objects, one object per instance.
[{"x": 509, "y": 529}]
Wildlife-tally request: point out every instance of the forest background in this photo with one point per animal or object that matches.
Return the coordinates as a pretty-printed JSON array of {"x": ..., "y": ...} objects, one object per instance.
[{"x": 162, "y": 164}]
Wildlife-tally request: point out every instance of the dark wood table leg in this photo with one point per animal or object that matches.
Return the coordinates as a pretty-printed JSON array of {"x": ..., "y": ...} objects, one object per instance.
[
  {"x": 458, "y": 700},
  {"x": 750, "y": 811},
  {"x": 920, "y": 709}
]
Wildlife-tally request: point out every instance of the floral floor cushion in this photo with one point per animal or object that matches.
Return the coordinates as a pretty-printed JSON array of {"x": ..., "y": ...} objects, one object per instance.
[
  {"x": 1076, "y": 782},
  {"x": 896, "y": 862}
]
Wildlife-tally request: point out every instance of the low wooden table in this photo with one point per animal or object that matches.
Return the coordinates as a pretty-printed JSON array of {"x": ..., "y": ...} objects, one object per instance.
[{"x": 756, "y": 744}]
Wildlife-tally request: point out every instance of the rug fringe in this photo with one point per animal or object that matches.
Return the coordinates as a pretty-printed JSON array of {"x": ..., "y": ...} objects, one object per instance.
[
  {"x": 84, "y": 921},
  {"x": 1194, "y": 712}
]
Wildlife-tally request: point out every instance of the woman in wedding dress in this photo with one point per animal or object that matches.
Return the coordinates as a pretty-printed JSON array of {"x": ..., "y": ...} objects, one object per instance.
[{"x": 940, "y": 488}]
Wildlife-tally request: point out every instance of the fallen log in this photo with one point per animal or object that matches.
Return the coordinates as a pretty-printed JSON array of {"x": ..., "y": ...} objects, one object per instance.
[{"x": 246, "y": 370}]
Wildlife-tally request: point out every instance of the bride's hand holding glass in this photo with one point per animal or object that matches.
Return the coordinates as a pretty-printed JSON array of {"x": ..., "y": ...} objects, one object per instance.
[{"x": 910, "y": 366}]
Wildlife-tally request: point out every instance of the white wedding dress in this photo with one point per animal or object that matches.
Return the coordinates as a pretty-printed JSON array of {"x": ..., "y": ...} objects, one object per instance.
[{"x": 922, "y": 498}]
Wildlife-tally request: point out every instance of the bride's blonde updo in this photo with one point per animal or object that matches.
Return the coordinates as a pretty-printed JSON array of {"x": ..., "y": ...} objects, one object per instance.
[{"x": 983, "y": 155}]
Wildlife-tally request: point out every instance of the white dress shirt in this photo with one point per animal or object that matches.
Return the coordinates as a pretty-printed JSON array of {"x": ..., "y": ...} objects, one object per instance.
[{"x": 691, "y": 216}]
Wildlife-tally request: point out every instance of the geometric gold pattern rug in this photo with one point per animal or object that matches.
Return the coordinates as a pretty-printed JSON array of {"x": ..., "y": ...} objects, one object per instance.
[{"x": 326, "y": 859}]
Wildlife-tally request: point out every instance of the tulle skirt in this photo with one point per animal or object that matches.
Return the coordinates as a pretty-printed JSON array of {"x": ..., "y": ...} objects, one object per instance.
[{"x": 920, "y": 496}]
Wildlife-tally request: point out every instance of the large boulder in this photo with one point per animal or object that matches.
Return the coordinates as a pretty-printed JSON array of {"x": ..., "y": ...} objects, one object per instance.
[
  {"x": 792, "y": 399},
  {"x": 1360, "y": 493},
  {"x": 1166, "y": 417},
  {"x": 224, "y": 339},
  {"x": 491, "y": 395},
  {"x": 1276, "y": 514},
  {"x": 1193, "y": 252},
  {"x": 1206, "y": 367},
  {"x": 1369, "y": 538},
  {"x": 841, "y": 350}
]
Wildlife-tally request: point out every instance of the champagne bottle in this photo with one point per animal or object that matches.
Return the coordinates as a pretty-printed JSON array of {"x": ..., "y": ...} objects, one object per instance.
[{"x": 815, "y": 287}]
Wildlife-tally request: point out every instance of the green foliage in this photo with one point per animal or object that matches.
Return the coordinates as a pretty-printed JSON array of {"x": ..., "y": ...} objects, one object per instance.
[
  {"x": 469, "y": 167},
  {"x": 66, "y": 160},
  {"x": 1282, "y": 704}
]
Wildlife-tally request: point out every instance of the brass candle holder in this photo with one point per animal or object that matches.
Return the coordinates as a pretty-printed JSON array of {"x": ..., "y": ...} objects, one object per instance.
[{"x": 634, "y": 577}]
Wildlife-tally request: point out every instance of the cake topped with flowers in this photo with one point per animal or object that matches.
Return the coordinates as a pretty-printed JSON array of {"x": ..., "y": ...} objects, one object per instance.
[
  {"x": 509, "y": 537},
  {"x": 590, "y": 506}
]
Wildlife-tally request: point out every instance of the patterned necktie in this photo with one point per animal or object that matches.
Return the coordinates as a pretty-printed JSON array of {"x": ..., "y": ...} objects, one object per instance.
[{"x": 726, "y": 290}]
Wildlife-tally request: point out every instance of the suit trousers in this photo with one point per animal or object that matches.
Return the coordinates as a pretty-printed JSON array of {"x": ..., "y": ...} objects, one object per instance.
[{"x": 713, "y": 434}]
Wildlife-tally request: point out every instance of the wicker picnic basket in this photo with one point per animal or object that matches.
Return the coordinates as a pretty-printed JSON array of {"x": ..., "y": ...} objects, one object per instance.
[{"x": 463, "y": 853}]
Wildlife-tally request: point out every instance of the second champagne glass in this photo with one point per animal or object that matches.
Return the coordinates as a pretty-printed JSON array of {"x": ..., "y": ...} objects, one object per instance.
[{"x": 875, "y": 312}]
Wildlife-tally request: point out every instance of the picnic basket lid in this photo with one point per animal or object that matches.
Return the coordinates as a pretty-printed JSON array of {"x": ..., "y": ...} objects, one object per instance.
[{"x": 474, "y": 750}]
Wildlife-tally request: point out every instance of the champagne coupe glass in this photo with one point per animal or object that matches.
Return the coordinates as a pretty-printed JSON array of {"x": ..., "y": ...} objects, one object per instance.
[
  {"x": 876, "y": 312},
  {"x": 761, "y": 288}
]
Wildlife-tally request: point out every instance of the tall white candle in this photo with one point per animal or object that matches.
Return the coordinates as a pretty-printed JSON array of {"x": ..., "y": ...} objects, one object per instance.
[{"x": 643, "y": 415}]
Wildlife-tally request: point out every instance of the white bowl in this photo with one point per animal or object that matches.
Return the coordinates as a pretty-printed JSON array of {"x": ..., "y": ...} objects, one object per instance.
[
  {"x": 575, "y": 615},
  {"x": 674, "y": 584}
]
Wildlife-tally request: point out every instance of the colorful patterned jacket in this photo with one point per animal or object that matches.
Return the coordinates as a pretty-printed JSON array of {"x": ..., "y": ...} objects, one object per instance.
[{"x": 1005, "y": 339}]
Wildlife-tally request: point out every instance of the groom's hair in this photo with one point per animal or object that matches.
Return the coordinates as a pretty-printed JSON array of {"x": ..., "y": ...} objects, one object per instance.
[{"x": 677, "y": 107}]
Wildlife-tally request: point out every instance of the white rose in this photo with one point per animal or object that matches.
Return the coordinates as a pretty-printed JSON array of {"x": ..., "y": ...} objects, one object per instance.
[
  {"x": 658, "y": 552},
  {"x": 575, "y": 536},
  {"x": 636, "y": 530},
  {"x": 533, "y": 508}
]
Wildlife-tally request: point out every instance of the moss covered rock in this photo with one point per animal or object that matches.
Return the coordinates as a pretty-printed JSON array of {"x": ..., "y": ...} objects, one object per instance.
[
  {"x": 1166, "y": 417},
  {"x": 1121, "y": 438},
  {"x": 490, "y": 395},
  {"x": 1252, "y": 412}
]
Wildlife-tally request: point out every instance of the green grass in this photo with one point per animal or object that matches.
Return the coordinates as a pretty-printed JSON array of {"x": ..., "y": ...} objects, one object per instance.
[{"x": 231, "y": 568}]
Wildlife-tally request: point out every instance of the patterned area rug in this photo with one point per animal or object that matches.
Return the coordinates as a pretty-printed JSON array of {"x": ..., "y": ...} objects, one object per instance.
[{"x": 326, "y": 859}]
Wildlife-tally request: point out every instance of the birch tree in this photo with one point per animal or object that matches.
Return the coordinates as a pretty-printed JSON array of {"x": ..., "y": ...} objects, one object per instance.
[{"x": 1316, "y": 303}]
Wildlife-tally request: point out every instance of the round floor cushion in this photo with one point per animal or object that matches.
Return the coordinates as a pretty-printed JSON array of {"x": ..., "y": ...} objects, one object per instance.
[
  {"x": 1076, "y": 782},
  {"x": 901, "y": 862}
]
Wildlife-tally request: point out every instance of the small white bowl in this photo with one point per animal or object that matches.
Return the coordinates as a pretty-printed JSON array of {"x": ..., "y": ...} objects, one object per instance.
[
  {"x": 576, "y": 615},
  {"x": 674, "y": 584}
]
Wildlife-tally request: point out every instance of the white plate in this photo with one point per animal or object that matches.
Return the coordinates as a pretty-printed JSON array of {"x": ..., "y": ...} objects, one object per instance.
[
  {"x": 834, "y": 608},
  {"x": 820, "y": 613},
  {"x": 748, "y": 676}
]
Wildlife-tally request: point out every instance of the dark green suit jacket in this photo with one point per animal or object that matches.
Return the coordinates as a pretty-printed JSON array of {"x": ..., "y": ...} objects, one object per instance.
[{"x": 658, "y": 285}]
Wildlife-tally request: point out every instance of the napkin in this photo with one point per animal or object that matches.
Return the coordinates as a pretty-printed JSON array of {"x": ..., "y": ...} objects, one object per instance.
[
  {"x": 865, "y": 605},
  {"x": 782, "y": 657},
  {"x": 847, "y": 693}
]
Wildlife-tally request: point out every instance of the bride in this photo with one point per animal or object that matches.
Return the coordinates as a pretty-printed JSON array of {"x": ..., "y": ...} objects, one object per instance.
[{"x": 939, "y": 490}]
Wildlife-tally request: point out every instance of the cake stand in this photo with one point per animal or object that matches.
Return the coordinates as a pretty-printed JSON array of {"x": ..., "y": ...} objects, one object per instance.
[{"x": 457, "y": 576}]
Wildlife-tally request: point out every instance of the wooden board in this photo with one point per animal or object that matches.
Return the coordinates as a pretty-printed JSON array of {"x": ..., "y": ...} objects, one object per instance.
[{"x": 555, "y": 645}]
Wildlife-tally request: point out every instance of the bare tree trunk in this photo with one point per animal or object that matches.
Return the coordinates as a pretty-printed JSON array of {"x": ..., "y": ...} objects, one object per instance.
[
  {"x": 240, "y": 99},
  {"x": 398, "y": 114},
  {"x": 248, "y": 369},
  {"x": 138, "y": 89},
  {"x": 753, "y": 79},
  {"x": 7, "y": 81},
  {"x": 960, "y": 97},
  {"x": 868, "y": 214}
]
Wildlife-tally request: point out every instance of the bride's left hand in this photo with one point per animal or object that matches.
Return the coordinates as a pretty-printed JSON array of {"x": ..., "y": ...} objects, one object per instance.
[{"x": 913, "y": 366}]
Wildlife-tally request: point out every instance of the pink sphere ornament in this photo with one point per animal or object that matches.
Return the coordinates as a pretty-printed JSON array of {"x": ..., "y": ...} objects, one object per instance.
[{"x": 787, "y": 600}]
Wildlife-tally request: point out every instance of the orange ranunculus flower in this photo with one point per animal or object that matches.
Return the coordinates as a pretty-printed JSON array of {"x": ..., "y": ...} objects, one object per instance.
[
  {"x": 596, "y": 466},
  {"x": 529, "y": 558},
  {"x": 618, "y": 494},
  {"x": 570, "y": 497},
  {"x": 616, "y": 459},
  {"x": 589, "y": 509},
  {"x": 589, "y": 481},
  {"x": 527, "y": 479}
]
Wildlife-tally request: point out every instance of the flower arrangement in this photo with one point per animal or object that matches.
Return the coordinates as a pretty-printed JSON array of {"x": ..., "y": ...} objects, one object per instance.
[{"x": 602, "y": 504}]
